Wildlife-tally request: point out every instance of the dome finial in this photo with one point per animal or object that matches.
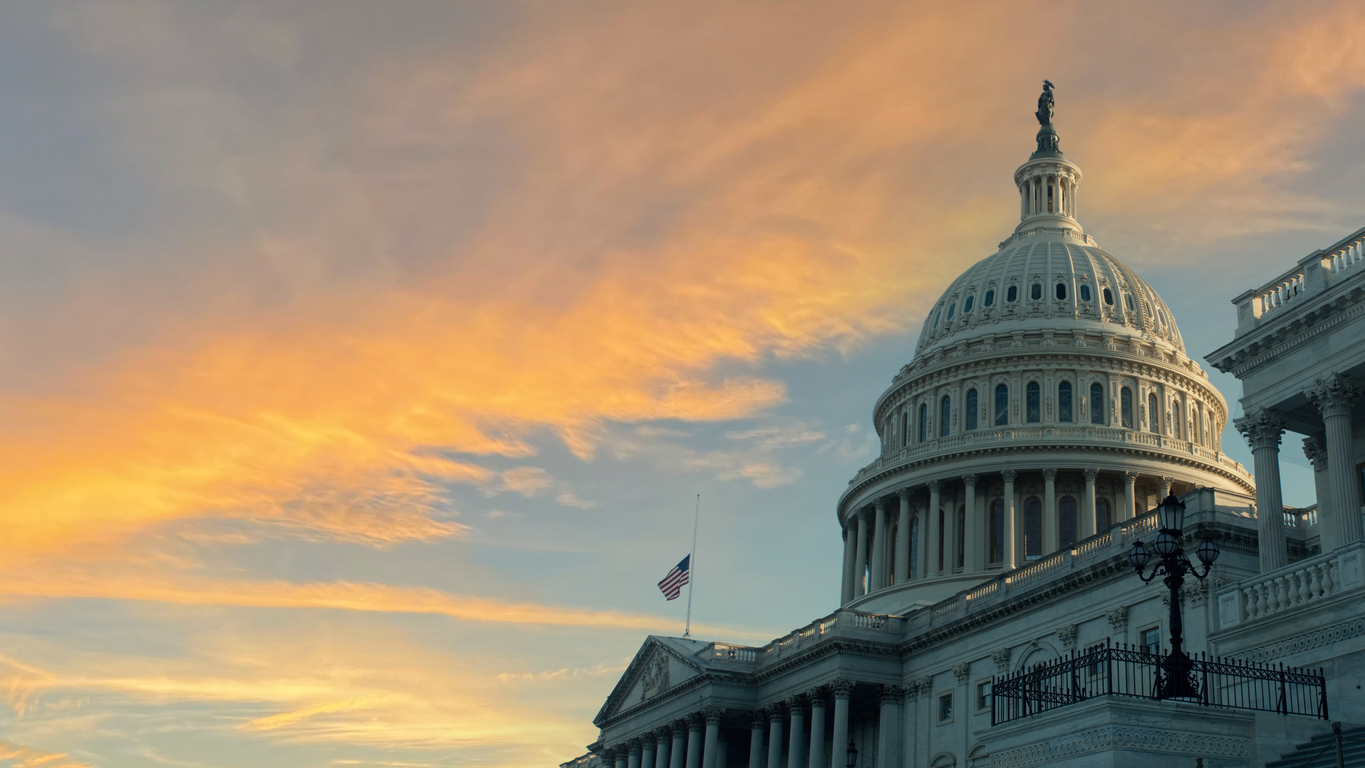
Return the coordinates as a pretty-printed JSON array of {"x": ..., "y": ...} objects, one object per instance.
[
  {"x": 1049, "y": 144},
  {"x": 1045, "y": 103}
]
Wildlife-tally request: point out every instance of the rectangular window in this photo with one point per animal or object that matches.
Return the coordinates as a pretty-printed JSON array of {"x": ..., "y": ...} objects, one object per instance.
[
  {"x": 983, "y": 696},
  {"x": 1002, "y": 405},
  {"x": 945, "y": 708},
  {"x": 1033, "y": 402},
  {"x": 1095, "y": 669},
  {"x": 1151, "y": 639},
  {"x": 971, "y": 409}
]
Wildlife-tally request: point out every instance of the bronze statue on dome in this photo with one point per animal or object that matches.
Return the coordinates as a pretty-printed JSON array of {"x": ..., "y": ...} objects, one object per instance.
[{"x": 1044, "y": 113}]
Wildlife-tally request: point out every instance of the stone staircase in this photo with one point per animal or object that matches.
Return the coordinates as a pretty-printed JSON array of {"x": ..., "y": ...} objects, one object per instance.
[{"x": 1322, "y": 753}]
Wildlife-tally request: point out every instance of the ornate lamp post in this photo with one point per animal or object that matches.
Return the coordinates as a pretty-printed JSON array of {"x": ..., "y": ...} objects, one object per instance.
[
  {"x": 1174, "y": 565},
  {"x": 852, "y": 755}
]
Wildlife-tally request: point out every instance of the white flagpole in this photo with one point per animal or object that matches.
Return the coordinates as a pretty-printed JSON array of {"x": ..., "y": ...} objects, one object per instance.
[{"x": 692, "y": 567}]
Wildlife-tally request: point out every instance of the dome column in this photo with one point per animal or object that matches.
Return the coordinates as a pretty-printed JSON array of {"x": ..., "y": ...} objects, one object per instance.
[
  {"x": 1090, "y": 519},
  {"x": 1129, "y": 495},
  {"x": 878, "y": 580},
  {"x": 860, "y": 557},
  {"x": 1263, "y": 430},
  {"x": 850, "y": 557},
  {"x": 903, "y": 538},
  {"x": 1010, "y": 552},
  {"x": 1051, "y": 543},
  {"x": 971, "y": 546},
  {"x": 935, "y": 562},
  {"x": 1334, "y": 397}
]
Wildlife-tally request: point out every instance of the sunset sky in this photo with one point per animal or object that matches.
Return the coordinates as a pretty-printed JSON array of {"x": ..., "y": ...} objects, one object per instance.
[{"x": 360, "y": 362}]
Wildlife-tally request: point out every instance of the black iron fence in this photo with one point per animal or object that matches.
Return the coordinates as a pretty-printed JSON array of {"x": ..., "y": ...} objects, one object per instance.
[{"x": 1123, "y": 670}]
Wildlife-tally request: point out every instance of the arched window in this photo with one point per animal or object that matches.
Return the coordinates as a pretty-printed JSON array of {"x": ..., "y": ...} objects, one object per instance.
[
  {"x": 990, "y": 298},
  {"x": 1012, "y": 294},
  {"x": 1175, "y": 419},
  {"x": 905, "y": 429},
  {"x": 998, "y": 531},
  {"x": 1108, "y": 297},
  {"x": 1128, "y": 302},
  {"x": 1036, "y": 292},
  {"x": 1066, "y": 521},
  {"x": 959, "y": 559},
  {"x": 1033, "y": 402},
  {"x": 951, "y": 307},
  {"x": 970, "y": 410},
  {"x": 914, "y": 547},
  {"x": 1097, "y": 412},
  {"x": 923, "y": 418},
  {"x": 1085, "y": 292},
  {"x": 1033, "y": 528},
  {"x": 1061, "y": 291},
  {"x": 940, "y": 543},
  {"x": 1002, "y": 405},
  {"x": 945, "y": 413},
  {"x": 1126, "y": 408},
  {"x": 967, "y": 305},
  {"x": 1103, "y": 518},
  {"x": 1064, "y": 401},
  {"x": 1153, "y": 414},
  {"x": 936, "y": 314}
]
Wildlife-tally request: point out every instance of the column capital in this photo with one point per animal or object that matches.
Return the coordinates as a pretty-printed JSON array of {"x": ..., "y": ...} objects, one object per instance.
[
  {"x": 757, "y": 718},
  {"x": 841, "y": 689},
  {"x": 712, "y": 715},
  {"x": 1262, "y": 428},
  {"x": 796, "y": 705},
  {"x": 969, "y": 480},
  {"x": 816, "y": 696},
  {"x": 935, "y": 486},
  {"x": 925, "y": 685},
  {"x": 891, "y": 694},
  {"x": 634, "y": 746},
  {"x": 1130, "y": 477},
  {"x": 1009, "y": 475},
  {"x": 680, "y": 728},
  {"x": 1315, "y": 448},
  {"x": 1090, "y": 474},
  {"x": 962, "y": 672},
  {"x": 880, "y": 504},
  {"x": 1049, "y": 474},
  {"x": 694, "y": 722},
  {"x": 661, "y": 735},
  {"x": 775, "y": 713},
  {"x": 904, "y": 494},
  {"x": 1333, "y": 395},
  {"x": 1001, "y": 657}
]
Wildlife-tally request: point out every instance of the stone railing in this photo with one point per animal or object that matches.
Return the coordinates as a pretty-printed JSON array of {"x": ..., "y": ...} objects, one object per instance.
[
  {"x": 1309, "y": 277},
  {"x": 1275, "y": 296},
  {"x": 1295, "y": 586},
  {"x": 1346, "y": 257},
  {"x": 842, "y": 622},
  {"x": 1301, "y": 519}
]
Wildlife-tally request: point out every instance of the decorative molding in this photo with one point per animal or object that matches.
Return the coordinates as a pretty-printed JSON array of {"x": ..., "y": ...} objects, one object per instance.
[
  {"x": 1305, "y": 642},
  {"x": 1118, "y": 619},
  {"x": 1113, "y": 737},
  {"x": 1315, "y": 448},
  {"x": 1001, "y": 658},
  {"x": 891, "y": 694},
  {"x": 1334, "y": 394},
  {"x": 1067, "y": 635},
  {"x": 841, "y": 688},
  {"x": 1262, "y": 428},
  {"x": 962, "y": 672},
  {"x": 926, "y": 686}
]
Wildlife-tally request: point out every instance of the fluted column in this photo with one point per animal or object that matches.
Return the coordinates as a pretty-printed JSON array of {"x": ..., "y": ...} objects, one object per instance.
[
  {"x": 850, "y": 562},
  {"x": 678, "y": 754},
  {"x": 922, "y": 570},
  {"x": 694, "y": 742},
  {"x": 756, "y": 722},
  {"x": 935, "y": 562},
  {"x": 633, "y": 755},
  {"x": 1315, "y": 448},
  {"x": 888, "y": 731},
  {"x": 816, "y": 753},
  {"x": 1335, "y": 396},
  {"x": 860, "y": 557},
  {"x": 775, "y": 737},
  {"x": 712, "y": 716},
  {"x": 796, "y": 707},
  {"x": 1010, "y": 552},
  {"x": 971, "y": 538},
  {"x": 1090, "y": 524},
  {"x": 1166, "y": 482},
  {"x": 842, "y": 689},
  {"x": 1051, "y": 542},
  {"x": 620, "y": 757},
  {"x": 903, "y": 538},
  {"x": 1129, "y": 496},
  {"x": 722, "y": 751},
  {"x": 1263, "y": 430},
  {"x": 879, "y": 546},
  {"x": 647, "y": 751},
  {"x": 661, "y": 750}
]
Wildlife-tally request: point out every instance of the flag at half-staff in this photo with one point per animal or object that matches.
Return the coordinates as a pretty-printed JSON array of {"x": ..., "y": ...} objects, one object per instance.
[{"x": 672, "y": 584}]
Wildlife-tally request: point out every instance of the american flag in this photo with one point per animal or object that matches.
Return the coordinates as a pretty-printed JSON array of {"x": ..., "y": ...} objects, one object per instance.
[{"x": 673, "y": 583}]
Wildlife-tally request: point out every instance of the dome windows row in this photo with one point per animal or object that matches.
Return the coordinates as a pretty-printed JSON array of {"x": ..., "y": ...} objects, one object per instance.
[{"x": 1060, "y": 292}]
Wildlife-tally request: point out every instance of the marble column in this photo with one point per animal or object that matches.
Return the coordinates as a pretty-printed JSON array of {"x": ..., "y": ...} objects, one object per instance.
[
  {"x": 903, "y": 538},
  {"x": 712, "y": 741},
  {"x": 922, "y": 564},
  {"x": 1263, "y": 430},
  {"x": 816, "y": 753},
  {"x": 620, "y": 755},
  {"x": 888, "y": 730},
  {"x": 1315, "y": 448},
  {"x": 722, "y": 751},
  {"x": 677, "y": 755},
  {"x": 935, "y": 563},
  {"x": 775, "y": 737},
  {"x": 797, "y": 709},
  {"x": 860, "y": 557},
  {"x": 1051, "y": 541},
  {"x": 1090, "y": 524},
  {"x": 756, "y": 722},
  {"x": 694, "y": 742},
  {"x": 647, "y": 751},
  {"x": 633, "y": 755},
  {"x": 971, "y": 538},
  {"x": 850, "y": 562},
  {"x": 1129, "y": 496},
  {"x": 1166, "y": 482},
  {"x": 878, "y": 578},
  {"x": 661, "y": 750},
  {"x": 842, "y": 689},
  {"x": 1011, "y": 553},
  {"x": 1335, "y": 396}
]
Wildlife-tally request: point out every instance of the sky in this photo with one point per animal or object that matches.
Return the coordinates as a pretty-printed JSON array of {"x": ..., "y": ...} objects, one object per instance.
[{"x": 361, "y": 363}]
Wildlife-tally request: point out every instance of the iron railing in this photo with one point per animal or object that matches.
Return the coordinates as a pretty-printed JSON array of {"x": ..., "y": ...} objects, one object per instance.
[{"x": 1124, "y": 670}]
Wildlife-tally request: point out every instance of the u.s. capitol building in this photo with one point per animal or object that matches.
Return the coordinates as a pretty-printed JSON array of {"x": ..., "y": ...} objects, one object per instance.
[{"x": 1050, "y": 407}]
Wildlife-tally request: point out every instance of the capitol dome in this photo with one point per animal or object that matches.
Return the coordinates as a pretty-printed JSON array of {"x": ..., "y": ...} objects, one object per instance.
[{"x": 1049, "y": 398}]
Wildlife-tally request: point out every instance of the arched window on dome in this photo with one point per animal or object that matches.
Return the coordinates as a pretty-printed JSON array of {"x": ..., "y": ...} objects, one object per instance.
[
  {"x": 1036, "y": 292},
  {"x": 997, "y": 538},
  {"x": 1061, "y": 291},
  {"x": 1175, "y": 420},
  {"x": 1066, "y": 521},
  {"x": 914, "y": 548},
  {"x": 1033, "y": 403},
  {"x": 958, "y": 558},
  {"x": 990, "y": 298},
  {"x": 1064, "y": 401},
  {"x": 1108, "y": 297},
  {"x": 1085, "y": 292},
  {"x": 970, "y": 410},
  {"x": 1012, "y": 294},
  {"x": 951, "y": 307},
  {"x": 967, "y": 305},
  {"x": 1033, "y": 528},
  {"x": 905, "y": 429},
  {"x": 1153, "y": 414},
  {"x": 936, "y": 314},
  {"x": 1002, "y": 405},
  {"x": 1198, "y": 425},
  {"x": 945, "y": 413},
  {"x": 1097, "y": 411},
  {"x": 1126, "y": 408},
  {"x": 1128, "y": 302},
  {"x": 1103, "y": 517},
  {"x": 923, "y": 420}
]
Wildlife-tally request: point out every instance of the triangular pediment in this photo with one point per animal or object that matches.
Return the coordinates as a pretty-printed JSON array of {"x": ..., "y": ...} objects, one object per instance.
[{"x": 661, "y": 664}]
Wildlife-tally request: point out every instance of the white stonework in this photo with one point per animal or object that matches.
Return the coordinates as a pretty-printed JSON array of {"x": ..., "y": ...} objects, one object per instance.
[{"x": 996, "y": 540}]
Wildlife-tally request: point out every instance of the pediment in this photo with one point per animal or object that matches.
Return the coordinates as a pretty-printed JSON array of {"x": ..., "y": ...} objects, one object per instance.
[{"x": 657, "y": 668}]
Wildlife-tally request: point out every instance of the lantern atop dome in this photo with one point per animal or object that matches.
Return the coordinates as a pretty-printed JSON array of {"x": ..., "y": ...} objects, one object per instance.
[{"x": 1048, "y": 181}]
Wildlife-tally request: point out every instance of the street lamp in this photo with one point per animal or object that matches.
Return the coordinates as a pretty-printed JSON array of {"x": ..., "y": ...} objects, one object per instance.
[
  {"x": 852, "y": 755},
  {"x": 1174, "y": 564}
]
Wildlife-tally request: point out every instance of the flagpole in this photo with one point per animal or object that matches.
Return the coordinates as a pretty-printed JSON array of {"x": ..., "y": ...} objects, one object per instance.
[{"x": 692, "y": 566}]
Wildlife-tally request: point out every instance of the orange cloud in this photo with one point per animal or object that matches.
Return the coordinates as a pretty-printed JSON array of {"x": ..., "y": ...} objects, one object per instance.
[{"x": 17, "y": 756}]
